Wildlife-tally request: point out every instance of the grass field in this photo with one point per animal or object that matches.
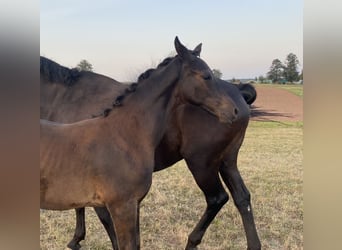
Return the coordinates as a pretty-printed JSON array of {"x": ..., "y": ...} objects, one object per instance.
[
  {"x": 293, "y": 88},
  {"x": 296, "y": 89},
  {"x": 270, "y": 162}
]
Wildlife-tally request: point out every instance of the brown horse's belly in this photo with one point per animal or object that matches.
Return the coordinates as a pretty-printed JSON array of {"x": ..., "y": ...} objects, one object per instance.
[{"x": 65, "y": 195}]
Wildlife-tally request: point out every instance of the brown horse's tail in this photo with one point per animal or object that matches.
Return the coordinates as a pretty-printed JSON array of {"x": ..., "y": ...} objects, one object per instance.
[{"x": 248, "y": 92}]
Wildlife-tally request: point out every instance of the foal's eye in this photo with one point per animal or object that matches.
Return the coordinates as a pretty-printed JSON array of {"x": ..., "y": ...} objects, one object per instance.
[{"x": 207, "y": 77}]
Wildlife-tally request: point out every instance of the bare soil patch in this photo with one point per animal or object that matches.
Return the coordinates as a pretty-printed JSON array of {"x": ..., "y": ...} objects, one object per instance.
[{"x": 276, "y": 104}]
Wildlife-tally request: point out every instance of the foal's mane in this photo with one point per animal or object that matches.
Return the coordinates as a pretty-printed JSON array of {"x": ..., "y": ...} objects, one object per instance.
[
  {"x": 57, "y": 73},
  {"x": 132, "y": 87}
]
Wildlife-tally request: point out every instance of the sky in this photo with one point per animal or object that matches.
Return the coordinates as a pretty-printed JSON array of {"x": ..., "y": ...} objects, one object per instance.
[{"x": 122, "y": 38}]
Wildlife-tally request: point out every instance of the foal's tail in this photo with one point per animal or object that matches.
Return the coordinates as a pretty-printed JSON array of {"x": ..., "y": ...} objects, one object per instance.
[{"x": 248, "y": 92}]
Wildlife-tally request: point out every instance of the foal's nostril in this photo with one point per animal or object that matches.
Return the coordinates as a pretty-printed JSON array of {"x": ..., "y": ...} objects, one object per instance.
[{"x": 236, "y": 111}]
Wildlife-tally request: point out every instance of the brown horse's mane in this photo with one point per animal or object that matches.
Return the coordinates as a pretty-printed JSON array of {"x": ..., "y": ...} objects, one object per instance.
[
  {"x": 133, "y": 86},
  {"x": 57, "y": 73}
]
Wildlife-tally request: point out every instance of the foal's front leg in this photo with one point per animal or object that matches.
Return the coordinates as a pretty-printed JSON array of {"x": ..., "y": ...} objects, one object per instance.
[
  {"x": 242, "y": 199},
  {"x": 80, "y": 230},
  {"x": 208, "y": 180},
  {"x": 106, "y": 221}
]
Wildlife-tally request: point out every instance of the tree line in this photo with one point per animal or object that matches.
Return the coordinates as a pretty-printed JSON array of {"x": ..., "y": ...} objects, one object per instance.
[
  {"x": 279, "y": 72},
  {"x": 285, "y": 72}
]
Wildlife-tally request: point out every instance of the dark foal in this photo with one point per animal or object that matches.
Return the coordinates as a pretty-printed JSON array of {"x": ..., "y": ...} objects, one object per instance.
[{"x": 208, "y": 155}]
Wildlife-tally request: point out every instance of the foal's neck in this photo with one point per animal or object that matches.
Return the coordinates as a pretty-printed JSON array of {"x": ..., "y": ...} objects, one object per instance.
[
  {"x": 152, "y": 101},
  {"x": 156, "y": 91}
]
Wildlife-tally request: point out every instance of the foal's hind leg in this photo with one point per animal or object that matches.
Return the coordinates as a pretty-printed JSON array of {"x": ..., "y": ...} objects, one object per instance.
[
  {"x": 106, "y": 221},
  {"x": 242, "y": 199},
  {"x": 80, "y": 230},
  {"x": 209, "y": 182}
]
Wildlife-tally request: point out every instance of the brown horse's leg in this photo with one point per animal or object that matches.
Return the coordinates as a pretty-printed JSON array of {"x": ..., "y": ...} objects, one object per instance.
[
  {"x": 209, "y": 182},
  {"x": 242, "y": 199},
  {"x": 106, "y": 221},
  {"x": 80, "y": 230},
  {"x": 125, "y": 218}
]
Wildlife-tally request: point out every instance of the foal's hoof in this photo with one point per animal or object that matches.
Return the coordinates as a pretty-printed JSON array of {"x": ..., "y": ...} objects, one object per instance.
[
  {"x": 254, "y": 248},
  {"x": 191, "y": 247},
  {"x": 74, "y": 246}
]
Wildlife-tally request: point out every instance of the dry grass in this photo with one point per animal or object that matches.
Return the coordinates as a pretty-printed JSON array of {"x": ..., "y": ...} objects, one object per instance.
[{"x": 270, "y": 162}]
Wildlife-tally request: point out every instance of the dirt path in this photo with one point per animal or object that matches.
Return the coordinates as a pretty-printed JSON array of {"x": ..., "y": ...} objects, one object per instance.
[{"x": 276, "y": 104}]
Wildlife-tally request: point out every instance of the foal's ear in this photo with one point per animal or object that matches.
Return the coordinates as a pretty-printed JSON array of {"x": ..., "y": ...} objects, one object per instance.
[
  {"x": 197, "y": 50},
  {"x": 182, "y": 51}
]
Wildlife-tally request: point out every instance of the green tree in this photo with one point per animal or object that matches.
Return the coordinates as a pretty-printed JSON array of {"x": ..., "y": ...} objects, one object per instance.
[
  {"x": 276, "y": 71},
  {"x": 290, "y": 70},
  {"x": 217, "y": 73},
  {"x": 301, "y": 76},
  {"x": 84, "y": 65},
  {"x": 261, "y": 79}
]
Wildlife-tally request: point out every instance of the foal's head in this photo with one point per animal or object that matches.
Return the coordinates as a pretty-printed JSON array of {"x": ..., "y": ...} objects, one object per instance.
[{"x": 199, "y": 86}]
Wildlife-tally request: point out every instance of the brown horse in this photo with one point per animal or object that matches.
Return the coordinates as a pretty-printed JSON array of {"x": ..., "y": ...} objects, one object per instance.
[
  {"x": 108, "y": 161},
  {"x": 69, "y": 95},
  {"x": 61, "y": 97}
]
